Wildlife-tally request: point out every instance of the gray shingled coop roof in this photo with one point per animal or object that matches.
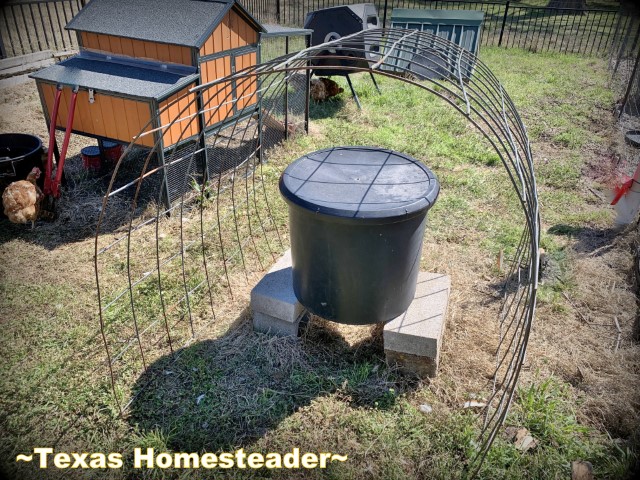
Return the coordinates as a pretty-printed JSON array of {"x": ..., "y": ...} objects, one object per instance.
[
  {"x": 111, "y": 77},
  {"x": 177, "y": 22}
]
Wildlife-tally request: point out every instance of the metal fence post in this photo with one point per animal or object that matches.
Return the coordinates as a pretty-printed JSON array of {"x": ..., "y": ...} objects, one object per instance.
[
  {"x": 286, "y": 93},
  {"x": 504, "y": 21},
  {"x": 384, "y": 14}
]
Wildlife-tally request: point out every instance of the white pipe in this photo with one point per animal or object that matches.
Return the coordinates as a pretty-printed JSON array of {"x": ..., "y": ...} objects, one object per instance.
[{"x": 628, "y": 206}]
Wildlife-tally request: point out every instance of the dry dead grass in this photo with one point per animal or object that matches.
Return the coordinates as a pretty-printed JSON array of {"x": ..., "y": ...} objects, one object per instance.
[{"x": 581, "y": 344}]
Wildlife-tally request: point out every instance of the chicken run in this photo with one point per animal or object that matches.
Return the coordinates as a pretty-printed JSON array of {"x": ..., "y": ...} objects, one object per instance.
[{"x": 23, "y": 200}]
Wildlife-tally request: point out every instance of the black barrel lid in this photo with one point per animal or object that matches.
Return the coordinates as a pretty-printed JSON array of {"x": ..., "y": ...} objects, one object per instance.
[{"x": 360, "y": 182}]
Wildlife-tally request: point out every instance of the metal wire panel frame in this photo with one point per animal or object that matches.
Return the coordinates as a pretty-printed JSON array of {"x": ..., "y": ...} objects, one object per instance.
[{"x": 480, "y": 98}]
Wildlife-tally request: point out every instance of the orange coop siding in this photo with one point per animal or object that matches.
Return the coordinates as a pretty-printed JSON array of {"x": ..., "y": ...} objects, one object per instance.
[
  {"x": 116, "y": 46},
  {"x": 246, "y": 88},
  {"x": 151, "y": 50},
  {"x": 234, "y": 25},
  {"x": 232, "y": 32},
  {"x": 111, "y": 117},
  {"x": 217, "y": 100},
  {"x": 104, "y": 44},
  {"x": 184, "y": 114},
  {"x": 226, "y": 33},
  {"x": 164, "y": 52},
  {"x": 139, "y": 49},
  {"x": 90, "y": 40},
  {"x": 129, "y": 47}
]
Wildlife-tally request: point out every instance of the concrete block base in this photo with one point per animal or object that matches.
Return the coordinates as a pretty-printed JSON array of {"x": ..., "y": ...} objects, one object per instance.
[
  {"x": 423, "y": 367},
  {"x": 265, "y": 323},
  {"x": 413, "y": 339},
  {"x": 276, "y": 309}
]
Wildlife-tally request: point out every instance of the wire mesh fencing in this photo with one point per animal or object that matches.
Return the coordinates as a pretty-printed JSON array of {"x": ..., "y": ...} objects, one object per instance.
[
  {"x": 624, "y": 65},
  {"x": 587, "y": 31},
  {"x": 169, "y": 274},
  {"x": 623, "y": 61},
  {"x": 510, "y": 24}
]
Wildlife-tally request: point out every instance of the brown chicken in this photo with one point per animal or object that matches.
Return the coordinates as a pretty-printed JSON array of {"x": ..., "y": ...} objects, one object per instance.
[
  {"x": 331, "y": 87},
  {"x": 324, "y": 88},
  {"x": 21, "y": 199}
]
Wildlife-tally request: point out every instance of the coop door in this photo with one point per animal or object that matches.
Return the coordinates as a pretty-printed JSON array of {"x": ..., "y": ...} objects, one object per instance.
[
  {"x": 223, "y": 101},
  {"x": 217, "y": 100},
  {"x": 246, "y": 89}
]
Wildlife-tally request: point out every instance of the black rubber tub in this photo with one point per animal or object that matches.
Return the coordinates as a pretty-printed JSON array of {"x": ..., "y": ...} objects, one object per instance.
[
  {"x": 19, "y": 153},
  {"x": 357, "y": 218},
  {"x": 632, "y": 137}
]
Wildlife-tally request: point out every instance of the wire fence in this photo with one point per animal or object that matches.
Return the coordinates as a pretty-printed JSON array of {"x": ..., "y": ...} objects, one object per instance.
[
  {"x": 36, "y": 25},
  {"x": 586, "y": 31},
  {"x": 623, "y": 63},
  {"x": 537, "y": 29}
]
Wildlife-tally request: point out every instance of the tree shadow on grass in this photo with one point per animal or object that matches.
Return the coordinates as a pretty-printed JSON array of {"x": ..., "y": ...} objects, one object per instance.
[
  {"x": 588, "y": 240},
  {"x": 227, "y": 392},
  {"x": 595, "y": 241}
]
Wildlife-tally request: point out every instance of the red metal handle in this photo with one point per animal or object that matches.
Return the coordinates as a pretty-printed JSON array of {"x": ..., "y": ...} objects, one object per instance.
[
  {"x": 65, "y": 144},
  {"x": 627, "y": 183},
  {"x": 622, "y": 190},
  {"x": 48, "y": 168}
]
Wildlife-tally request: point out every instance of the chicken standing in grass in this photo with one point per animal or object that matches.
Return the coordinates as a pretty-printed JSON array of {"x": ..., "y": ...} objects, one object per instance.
[
  {"x": 21, "y": 199},
  {"x": 324, "y": 88}
]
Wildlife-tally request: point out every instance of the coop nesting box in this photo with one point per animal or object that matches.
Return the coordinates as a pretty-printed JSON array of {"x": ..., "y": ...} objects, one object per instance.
[
  {"x": 357, "y": 219},
  {"x": 137, "y": 57},
  {"x": 462, "y": 27}
]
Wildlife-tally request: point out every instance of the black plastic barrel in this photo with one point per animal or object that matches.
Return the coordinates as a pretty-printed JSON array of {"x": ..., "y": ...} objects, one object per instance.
[
  {"x": 357, "y": 218},
  {"x": 19, "y": 153}
]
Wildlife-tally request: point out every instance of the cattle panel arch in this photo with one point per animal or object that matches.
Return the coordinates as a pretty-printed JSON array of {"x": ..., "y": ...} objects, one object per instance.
[{"x": 165, "y": 273}]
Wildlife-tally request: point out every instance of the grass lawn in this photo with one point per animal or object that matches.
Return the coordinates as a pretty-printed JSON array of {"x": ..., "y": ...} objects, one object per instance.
[{"x": 331, "y": 390}]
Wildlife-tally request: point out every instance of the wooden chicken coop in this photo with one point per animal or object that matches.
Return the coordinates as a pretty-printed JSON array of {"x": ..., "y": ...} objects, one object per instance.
[{"x": 136, "y": 57}]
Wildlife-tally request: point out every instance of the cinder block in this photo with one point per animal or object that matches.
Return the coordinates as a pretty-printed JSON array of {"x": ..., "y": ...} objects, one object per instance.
[
  {"x": 413, "y": 339},
  {"x": 423, "y": 367},
  {"x": 275, "y": 306},
  {"x": 264, "y": 323}
]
